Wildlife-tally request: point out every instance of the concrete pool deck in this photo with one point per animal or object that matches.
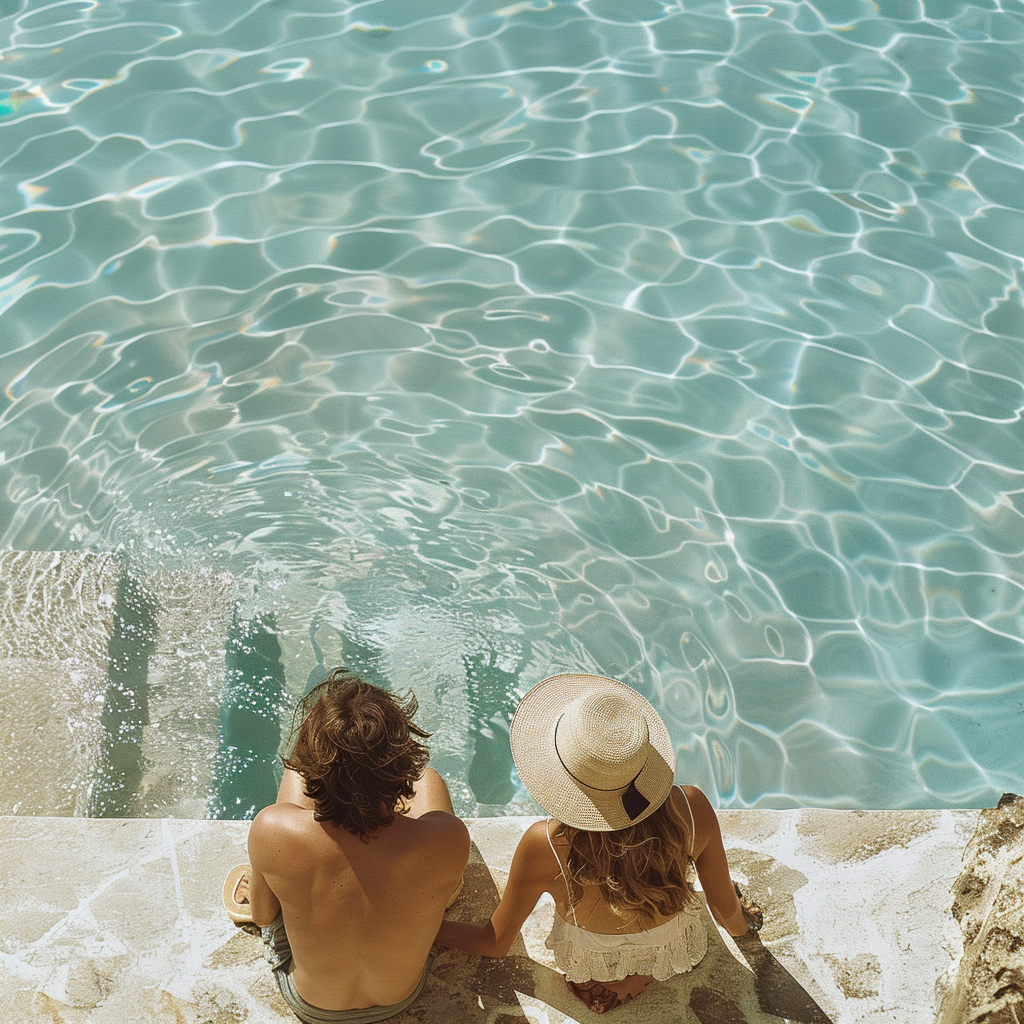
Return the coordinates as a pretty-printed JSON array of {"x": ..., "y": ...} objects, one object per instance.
[{"x": 121, "y": 920}]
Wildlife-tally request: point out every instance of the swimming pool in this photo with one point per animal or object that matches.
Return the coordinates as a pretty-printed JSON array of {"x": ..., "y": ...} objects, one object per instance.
[{"x": 470, "y": 343}]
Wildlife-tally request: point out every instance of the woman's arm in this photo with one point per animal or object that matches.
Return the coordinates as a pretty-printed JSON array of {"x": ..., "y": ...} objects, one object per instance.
[
  {"x": 532, "y": 872},
  {"x": 712, "y": 865}
]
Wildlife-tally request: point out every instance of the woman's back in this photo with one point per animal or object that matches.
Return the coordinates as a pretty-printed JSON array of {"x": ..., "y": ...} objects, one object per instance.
[
  {"x": 587, "y": 904},
  {"x": 616, "y": 852},
  {"x": 625, "y": 911}
]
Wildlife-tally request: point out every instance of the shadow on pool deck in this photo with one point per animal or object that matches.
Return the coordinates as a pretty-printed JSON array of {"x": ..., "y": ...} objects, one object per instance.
[
  {"x": 105, "y": 921},
  {"x": 720, "y": 990}
]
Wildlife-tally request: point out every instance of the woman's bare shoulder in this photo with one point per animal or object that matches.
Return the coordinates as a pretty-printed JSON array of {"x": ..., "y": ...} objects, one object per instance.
[
  {"x": 536, "y": 836},
  {"x": 533, "y": 851},
  {"x": 695, "y": 797},
  {"x": 705, "y": 821}
]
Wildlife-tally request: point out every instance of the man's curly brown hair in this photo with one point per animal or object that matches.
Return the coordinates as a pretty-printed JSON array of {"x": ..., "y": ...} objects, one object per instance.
[{"x": 357, "y": 751}]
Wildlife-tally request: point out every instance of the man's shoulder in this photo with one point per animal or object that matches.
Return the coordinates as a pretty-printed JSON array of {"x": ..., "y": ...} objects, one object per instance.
[
  {"x": 443, "y": 823},
  {"x": 281, "y": 822},
  {"x": 439, "y": 829}
]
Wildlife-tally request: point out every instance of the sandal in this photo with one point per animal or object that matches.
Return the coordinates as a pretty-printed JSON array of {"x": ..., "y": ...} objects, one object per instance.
[
  {"x": 599, "y": 997},
  {"x": 238, "y": 910},
  {"x": 595, "y": 995}
]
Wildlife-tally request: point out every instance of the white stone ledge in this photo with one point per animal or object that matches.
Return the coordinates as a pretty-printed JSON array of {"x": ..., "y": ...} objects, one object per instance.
[{"x": 121, "y": 921}]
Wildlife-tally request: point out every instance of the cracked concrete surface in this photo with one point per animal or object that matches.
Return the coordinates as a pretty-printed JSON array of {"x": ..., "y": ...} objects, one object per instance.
[{"x": 116, "y": 920}]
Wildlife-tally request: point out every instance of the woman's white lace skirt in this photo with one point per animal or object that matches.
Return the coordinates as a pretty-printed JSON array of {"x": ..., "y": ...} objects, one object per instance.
[{"x": 672, "y": 948}]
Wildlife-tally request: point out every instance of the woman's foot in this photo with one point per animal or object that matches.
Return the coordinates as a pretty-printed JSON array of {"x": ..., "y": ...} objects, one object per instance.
[{"x": 602, "y": 996}]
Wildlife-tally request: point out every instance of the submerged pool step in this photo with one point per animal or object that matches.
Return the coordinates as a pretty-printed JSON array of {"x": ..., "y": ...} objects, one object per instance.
[
  {"x": 56, "y": 614},
  {"x": 112, "y": 686},
  {"x": 156, "y": 694}
]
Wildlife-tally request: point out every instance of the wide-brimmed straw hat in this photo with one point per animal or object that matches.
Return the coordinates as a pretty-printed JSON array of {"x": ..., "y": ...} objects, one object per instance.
[{"x": 592, "y": 752}]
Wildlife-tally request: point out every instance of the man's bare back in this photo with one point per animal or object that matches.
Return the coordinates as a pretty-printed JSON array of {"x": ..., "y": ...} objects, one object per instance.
[
  {"x": 360, "y": 912},
  {"x": 360, "y": 916}
]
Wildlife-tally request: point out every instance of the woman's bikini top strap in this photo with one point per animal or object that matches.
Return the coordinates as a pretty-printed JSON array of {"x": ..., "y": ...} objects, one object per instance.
[
  {"x": 568, "y": 891},
  {"x": 693, "y": 827}
]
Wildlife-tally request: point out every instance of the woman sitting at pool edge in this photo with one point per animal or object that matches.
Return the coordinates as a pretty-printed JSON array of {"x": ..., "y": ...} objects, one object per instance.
[{"x": 616, "y": 853}]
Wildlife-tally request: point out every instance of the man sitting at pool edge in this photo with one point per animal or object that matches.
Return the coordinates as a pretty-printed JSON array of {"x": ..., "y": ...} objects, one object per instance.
[{"x": 352, "y": 868}]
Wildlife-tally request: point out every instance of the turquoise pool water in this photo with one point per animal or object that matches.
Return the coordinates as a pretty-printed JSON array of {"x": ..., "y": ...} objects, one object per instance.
[{"x": 680, "y": 342}]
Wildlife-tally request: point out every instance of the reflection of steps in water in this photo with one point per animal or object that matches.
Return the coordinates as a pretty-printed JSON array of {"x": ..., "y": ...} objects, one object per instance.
[
  {"x": 126, "y": 703},
  {"x": 165, "y": 673},
  {"x": 56, "y": 611},
  {"x": 246, "y": 777},
  {"x": 161, "y": 697},
  {"x": 492, "y": 696}
]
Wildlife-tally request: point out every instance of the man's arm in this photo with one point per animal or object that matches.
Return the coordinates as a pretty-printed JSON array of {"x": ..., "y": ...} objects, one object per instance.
[{"x": 264, "y": 841}]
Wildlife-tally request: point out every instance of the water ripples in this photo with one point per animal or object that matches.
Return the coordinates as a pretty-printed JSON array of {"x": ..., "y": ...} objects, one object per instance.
[{"x": 680, "y": 345}]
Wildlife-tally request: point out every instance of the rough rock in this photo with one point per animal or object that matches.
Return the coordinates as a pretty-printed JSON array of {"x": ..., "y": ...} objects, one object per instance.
[{"x": 987, "y": 985}]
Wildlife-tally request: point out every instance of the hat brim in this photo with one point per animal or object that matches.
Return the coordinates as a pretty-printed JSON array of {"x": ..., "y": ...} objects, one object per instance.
[{"x": 532, "y": 738}]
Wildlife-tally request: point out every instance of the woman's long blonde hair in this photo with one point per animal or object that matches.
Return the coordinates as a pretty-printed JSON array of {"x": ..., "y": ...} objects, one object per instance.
[{"x": 641, "y": 871}]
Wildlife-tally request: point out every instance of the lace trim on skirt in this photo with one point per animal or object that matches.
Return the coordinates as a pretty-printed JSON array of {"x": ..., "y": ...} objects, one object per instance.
[{"x": 672, "y": 948}]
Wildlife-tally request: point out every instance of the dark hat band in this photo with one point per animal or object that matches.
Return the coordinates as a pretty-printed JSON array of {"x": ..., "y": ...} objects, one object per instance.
[
  {"x": 587, "y": 785},
  {"x": 634, "y": 803}
]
